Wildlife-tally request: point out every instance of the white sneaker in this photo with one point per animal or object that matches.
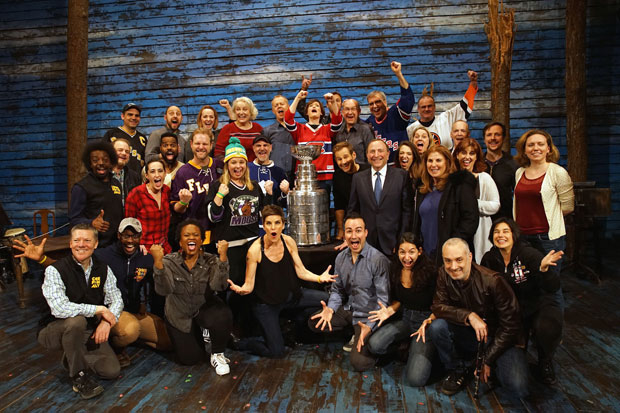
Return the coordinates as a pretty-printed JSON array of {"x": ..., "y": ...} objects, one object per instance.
[
  {"x": 220, "y": 363},
  {"x": 349, "y": 346}
]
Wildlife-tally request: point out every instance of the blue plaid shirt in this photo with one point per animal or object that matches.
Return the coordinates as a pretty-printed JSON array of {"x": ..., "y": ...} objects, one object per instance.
[{"x": 54, "y": 291}]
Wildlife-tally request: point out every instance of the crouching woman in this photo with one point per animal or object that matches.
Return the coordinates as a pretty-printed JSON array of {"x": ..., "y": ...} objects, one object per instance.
[{"x": 196, "y": 318}]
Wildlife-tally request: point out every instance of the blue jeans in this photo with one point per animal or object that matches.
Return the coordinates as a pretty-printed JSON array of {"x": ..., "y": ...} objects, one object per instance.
[
  {"x": 268, "y": 316},
  {"x": 543, "y": 244},
  {"x": 455, "y": 343},
  {"x": 421, "y": 354}
]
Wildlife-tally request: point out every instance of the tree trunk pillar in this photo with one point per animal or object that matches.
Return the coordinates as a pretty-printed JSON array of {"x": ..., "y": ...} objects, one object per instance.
[
  {"x": 575, "y": 83},
  {"x": 500, "y": 31},
  {"x": 77, "y": 71}
]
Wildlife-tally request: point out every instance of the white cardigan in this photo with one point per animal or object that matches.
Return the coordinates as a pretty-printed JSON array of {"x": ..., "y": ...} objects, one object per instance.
[
  {"x": 488, "y": 204},
  {"x": 557, "y": 196}
]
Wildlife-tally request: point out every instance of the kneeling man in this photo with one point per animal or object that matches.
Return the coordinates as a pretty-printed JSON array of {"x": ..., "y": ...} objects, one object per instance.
[
  {"x": 362, "y": 284},
  {"x": 84, "y": 305},
  {"x": 474, "y": 304}
]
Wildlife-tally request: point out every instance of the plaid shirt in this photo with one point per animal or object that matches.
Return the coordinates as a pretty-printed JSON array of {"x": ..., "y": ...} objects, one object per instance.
[
  {"x": 155, "y": 221},
  {"x": 55, "y": 294}
]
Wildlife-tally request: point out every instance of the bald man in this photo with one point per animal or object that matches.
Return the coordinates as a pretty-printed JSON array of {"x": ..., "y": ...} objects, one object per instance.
[
  {"x": 458, "y": 132},
  {"x": 173, "y": 117}
]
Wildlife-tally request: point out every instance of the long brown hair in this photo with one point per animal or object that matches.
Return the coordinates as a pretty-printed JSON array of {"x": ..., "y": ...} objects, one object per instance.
[
  {"x": 427, "y": 179},
  {"x": 415, "y": 163},
  {"x": 523, "y": 160},
  {"x": 463, "y": 146}
]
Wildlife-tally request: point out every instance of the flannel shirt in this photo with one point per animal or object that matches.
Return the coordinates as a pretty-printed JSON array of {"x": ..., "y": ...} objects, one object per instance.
[
  {"x": 54, "y": 291},
  {"x": 155, "y": 220}
]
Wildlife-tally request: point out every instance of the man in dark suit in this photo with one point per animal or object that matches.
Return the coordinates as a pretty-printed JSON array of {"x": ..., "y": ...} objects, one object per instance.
[{"x": 382, "y": 197}]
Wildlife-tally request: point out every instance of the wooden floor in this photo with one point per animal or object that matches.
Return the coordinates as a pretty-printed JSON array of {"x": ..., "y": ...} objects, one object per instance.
[{"x": 313, "y": 377}]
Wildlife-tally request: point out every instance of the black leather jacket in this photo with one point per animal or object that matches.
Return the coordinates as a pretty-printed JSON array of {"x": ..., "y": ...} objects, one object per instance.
[{"x": 488, "y": 295}]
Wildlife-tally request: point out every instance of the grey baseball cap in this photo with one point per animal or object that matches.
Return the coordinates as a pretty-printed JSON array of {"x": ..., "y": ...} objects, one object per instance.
[{"x": 132, "y": 223}]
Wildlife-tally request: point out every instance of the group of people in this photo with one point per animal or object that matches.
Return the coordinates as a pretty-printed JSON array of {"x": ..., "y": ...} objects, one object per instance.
[{"x": 179, "y": 241}]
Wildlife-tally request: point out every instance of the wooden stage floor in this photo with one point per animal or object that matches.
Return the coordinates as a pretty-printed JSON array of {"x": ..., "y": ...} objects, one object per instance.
[{"x": 313, "y": 377}]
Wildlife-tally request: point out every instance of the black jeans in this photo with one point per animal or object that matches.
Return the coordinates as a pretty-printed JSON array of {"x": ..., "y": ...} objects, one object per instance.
[
  {"x": 189, "y": 347},
  {"x": 360, "y": 360},
  {"x": 268, "y": 316},
  {"x": 452, "y": 341},
  {"x": 546, "y": 326}
]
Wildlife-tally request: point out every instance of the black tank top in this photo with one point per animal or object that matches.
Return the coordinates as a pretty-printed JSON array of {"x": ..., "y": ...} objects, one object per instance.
[{"x": 275, "y": 281}]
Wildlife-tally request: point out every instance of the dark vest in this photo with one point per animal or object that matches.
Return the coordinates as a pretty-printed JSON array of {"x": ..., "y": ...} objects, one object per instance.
[
  {"x": 77, "y": 290},
  {"x": 107, "y": 196},
  {"x": 76, "y": 287}
]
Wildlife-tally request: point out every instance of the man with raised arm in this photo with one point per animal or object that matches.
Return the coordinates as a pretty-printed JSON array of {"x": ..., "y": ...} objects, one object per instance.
[
  {"x": 441, "y": 125},
  {"x": 390, "y": 125}
]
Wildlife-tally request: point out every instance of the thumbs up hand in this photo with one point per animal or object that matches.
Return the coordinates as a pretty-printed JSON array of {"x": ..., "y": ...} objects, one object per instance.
[{"x": 100, "y": 224}]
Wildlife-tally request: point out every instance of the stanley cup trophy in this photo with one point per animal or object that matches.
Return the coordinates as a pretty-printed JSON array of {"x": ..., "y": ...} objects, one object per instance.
[{"x": 308, "y": 204}]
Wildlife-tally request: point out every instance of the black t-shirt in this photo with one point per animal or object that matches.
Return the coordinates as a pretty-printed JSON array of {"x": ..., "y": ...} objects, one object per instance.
[
  {"x": 137, "y": 144},
  {"x": 342, "y": 186},
  {"x": 240, "y": 211}
]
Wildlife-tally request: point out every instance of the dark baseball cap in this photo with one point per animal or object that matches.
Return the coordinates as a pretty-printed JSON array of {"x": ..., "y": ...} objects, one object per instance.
[
  {"x": 261, "y": 137},
  {"x": 131, "y": 106}
]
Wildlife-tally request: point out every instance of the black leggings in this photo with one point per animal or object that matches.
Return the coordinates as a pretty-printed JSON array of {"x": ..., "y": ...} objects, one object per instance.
[
  {"x": 546, "y": 327},
  {"x": 189, "y": 347}
]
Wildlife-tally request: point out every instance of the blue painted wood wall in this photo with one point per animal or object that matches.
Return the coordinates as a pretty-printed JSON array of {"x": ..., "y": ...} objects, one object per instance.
[{"x": 190, "y": 53}]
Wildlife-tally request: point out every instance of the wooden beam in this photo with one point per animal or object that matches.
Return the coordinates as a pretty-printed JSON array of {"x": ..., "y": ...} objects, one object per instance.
[
  {"x": 500, "y": 31},
  {"x": 77, "y": 71},
  {"x": 575, "y": 83}
]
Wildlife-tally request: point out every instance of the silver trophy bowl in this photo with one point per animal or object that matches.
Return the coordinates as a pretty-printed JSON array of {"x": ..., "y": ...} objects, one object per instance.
[
  {"x": 306, "y": 152},
  {"x": 308, "y": 204}
]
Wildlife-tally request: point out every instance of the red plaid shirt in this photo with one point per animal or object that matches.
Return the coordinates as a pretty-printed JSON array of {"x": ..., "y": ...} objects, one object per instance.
[{"x": 155, "y": 221}]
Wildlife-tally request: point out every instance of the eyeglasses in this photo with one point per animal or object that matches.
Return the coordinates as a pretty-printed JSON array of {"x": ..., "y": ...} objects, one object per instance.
[{"x": 128, "y": 237}]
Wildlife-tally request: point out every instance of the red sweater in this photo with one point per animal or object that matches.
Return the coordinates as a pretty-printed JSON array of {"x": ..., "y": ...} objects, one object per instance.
[
  {"x": 245, "y": 136},
  {"x": 322, "y": 135}
]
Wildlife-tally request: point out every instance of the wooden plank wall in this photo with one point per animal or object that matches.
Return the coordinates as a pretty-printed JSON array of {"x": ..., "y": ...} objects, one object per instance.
[{"x": 190, "y": 53}]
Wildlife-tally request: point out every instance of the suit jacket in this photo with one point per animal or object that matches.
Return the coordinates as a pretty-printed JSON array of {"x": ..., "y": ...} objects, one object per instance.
[{"x": 387, "y": 220}]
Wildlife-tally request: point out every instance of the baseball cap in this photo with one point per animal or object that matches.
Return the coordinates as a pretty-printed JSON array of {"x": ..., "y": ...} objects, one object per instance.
[
  {"x": 131, "y": 106},
  {"x": 132, "y": 223},
  {"x": 261, "y": 137}
]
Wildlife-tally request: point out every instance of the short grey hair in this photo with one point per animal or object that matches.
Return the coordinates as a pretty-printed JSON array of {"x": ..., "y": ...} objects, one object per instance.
[
  {"x": 377, "y": 92},
  {"x": 85, "y": 227},
  {"x": 453, "y": 242}
]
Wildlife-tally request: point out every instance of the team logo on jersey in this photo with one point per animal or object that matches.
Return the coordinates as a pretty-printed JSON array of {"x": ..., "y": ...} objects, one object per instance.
[
  {"x": 436, "y": 138},
  {"x": 116, "y": 190},
  {"x": 139, "y": 274},
  {"x": 143, "y": 140},
  {"x": 95, "y": 282},
  {"x": 244, "y": 210},
  {"x": 200, "y": 188}
]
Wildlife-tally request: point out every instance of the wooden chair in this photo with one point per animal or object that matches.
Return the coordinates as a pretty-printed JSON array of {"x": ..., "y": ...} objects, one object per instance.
[{"x": 44, "y": 228}]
